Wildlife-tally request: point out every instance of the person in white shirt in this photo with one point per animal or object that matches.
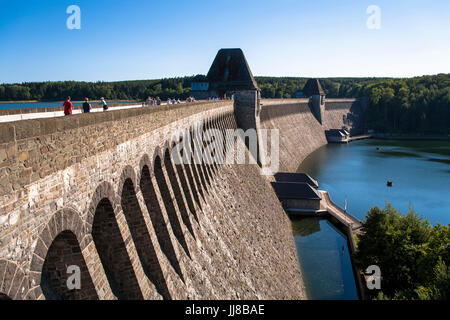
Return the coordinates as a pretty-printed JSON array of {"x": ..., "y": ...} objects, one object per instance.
[{"x": 103, "y": 102}]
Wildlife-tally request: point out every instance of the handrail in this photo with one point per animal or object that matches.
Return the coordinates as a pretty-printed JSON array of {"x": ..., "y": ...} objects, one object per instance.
[{"x": 328, "y": 199}]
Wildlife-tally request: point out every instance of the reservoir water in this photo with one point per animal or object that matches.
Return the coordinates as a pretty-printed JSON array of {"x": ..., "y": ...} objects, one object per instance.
[
  {"x": 358, "y": 172},
  {"x": 324, "y": 260}
]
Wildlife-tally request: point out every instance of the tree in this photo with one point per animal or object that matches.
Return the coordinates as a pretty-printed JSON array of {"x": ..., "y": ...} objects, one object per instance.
[{"x": 413, "y": 255}]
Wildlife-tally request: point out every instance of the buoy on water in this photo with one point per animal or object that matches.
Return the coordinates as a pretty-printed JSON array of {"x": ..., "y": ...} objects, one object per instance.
[{"x": 389, "y": 183}]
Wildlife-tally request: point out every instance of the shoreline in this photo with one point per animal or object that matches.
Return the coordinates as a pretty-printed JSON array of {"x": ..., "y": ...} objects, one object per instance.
[{"x": 411, "y": 137}]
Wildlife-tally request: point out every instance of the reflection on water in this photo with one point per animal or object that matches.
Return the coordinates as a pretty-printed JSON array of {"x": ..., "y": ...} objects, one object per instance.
[
  {"x": 358, "y": 172},
  {"x": 324, "y": 260}
]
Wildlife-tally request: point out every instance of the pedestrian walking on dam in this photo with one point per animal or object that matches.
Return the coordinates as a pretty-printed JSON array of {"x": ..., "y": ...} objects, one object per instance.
[
  {"x": 105, "y": 105},
  {"x": 86, "y": 106},
  {"x": 67, "y": 107}
]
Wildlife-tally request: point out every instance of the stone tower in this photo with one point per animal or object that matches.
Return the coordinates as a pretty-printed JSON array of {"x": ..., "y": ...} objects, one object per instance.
[
  {"x": 229, "y": 76},
  {"x": 314, "y": 91}
]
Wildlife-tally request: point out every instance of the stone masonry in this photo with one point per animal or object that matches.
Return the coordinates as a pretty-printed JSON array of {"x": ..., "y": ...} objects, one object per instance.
[
  {"x": 100, "y": 191},
  {"x": 300, "y": 131}
]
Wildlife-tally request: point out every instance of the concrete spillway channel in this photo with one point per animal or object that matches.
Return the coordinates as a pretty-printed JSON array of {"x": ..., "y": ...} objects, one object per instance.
[{"x": 300, "y": 197}]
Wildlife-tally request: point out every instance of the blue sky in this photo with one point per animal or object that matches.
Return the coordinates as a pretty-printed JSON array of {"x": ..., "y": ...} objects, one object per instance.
[{"x": 147, "y": 39}]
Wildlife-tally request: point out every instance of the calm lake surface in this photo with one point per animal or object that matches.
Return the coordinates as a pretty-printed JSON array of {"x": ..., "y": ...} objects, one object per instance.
[
  {"x": 358, "y": 172},
  {"x": 324, "y": 260}
]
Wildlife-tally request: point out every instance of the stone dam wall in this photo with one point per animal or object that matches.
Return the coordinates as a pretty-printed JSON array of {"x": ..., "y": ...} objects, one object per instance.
[
  {"x": 101, "y": 192},
  {"x": 300, "y": 133}
]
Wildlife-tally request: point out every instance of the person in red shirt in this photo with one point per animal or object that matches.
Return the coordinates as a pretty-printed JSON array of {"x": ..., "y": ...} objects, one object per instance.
[{"x": 67, "y": 107}]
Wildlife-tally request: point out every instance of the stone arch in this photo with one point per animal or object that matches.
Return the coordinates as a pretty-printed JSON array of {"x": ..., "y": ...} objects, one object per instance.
[
  {"x": 232, "y": 125},
  {"x": 220, "y": 145},
  {"x": 205, "y": 165},
  {"x": 145, "y": 161},
  {"x": 220, "y": 121},
  {"x": 213, "y": 125},
  {"x": 103, "y": 191},
  {"x": 206, "y": 129},
  {"x": 128, "y": 173},
  {"x": 226, "y": 125},
  {"x": 229, "y": 120},
  {"x": 233, "y": 121},
  {"x": 4, "y": 297},
  {"x": 14, "y": 283},
  {"x": 111, "y": 247},
  {"x": 195, "y": 188},
  {"x": 184, "y": 183},
  {"x": 176, "y": 136},
  {"x": 64, "y": 252},
  {"x": 197, "y": 168},
  {"x": 157, "y": 218},
  {"x": 139, "y": 233},
  {"x": 70, "y": 220},
  {"x": 156, "y": 154},
  {"x": 176, "y": 188},
  {"x": 168, "y": 203},
  {"x": 222, "y": 128},
  {"x": 212, "y": 165}
]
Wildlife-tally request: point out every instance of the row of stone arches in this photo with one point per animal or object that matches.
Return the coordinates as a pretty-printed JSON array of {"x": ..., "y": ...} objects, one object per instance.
[{"x": 69, "y": 240}]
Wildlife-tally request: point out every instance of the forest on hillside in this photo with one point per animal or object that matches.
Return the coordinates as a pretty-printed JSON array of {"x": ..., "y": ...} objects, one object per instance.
[
  {"x": 418, "y": 105},
  {"x": 400, "y": 105},
  {"x": 413, "y": 105},
  {"x": 271, "y": 87}
]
